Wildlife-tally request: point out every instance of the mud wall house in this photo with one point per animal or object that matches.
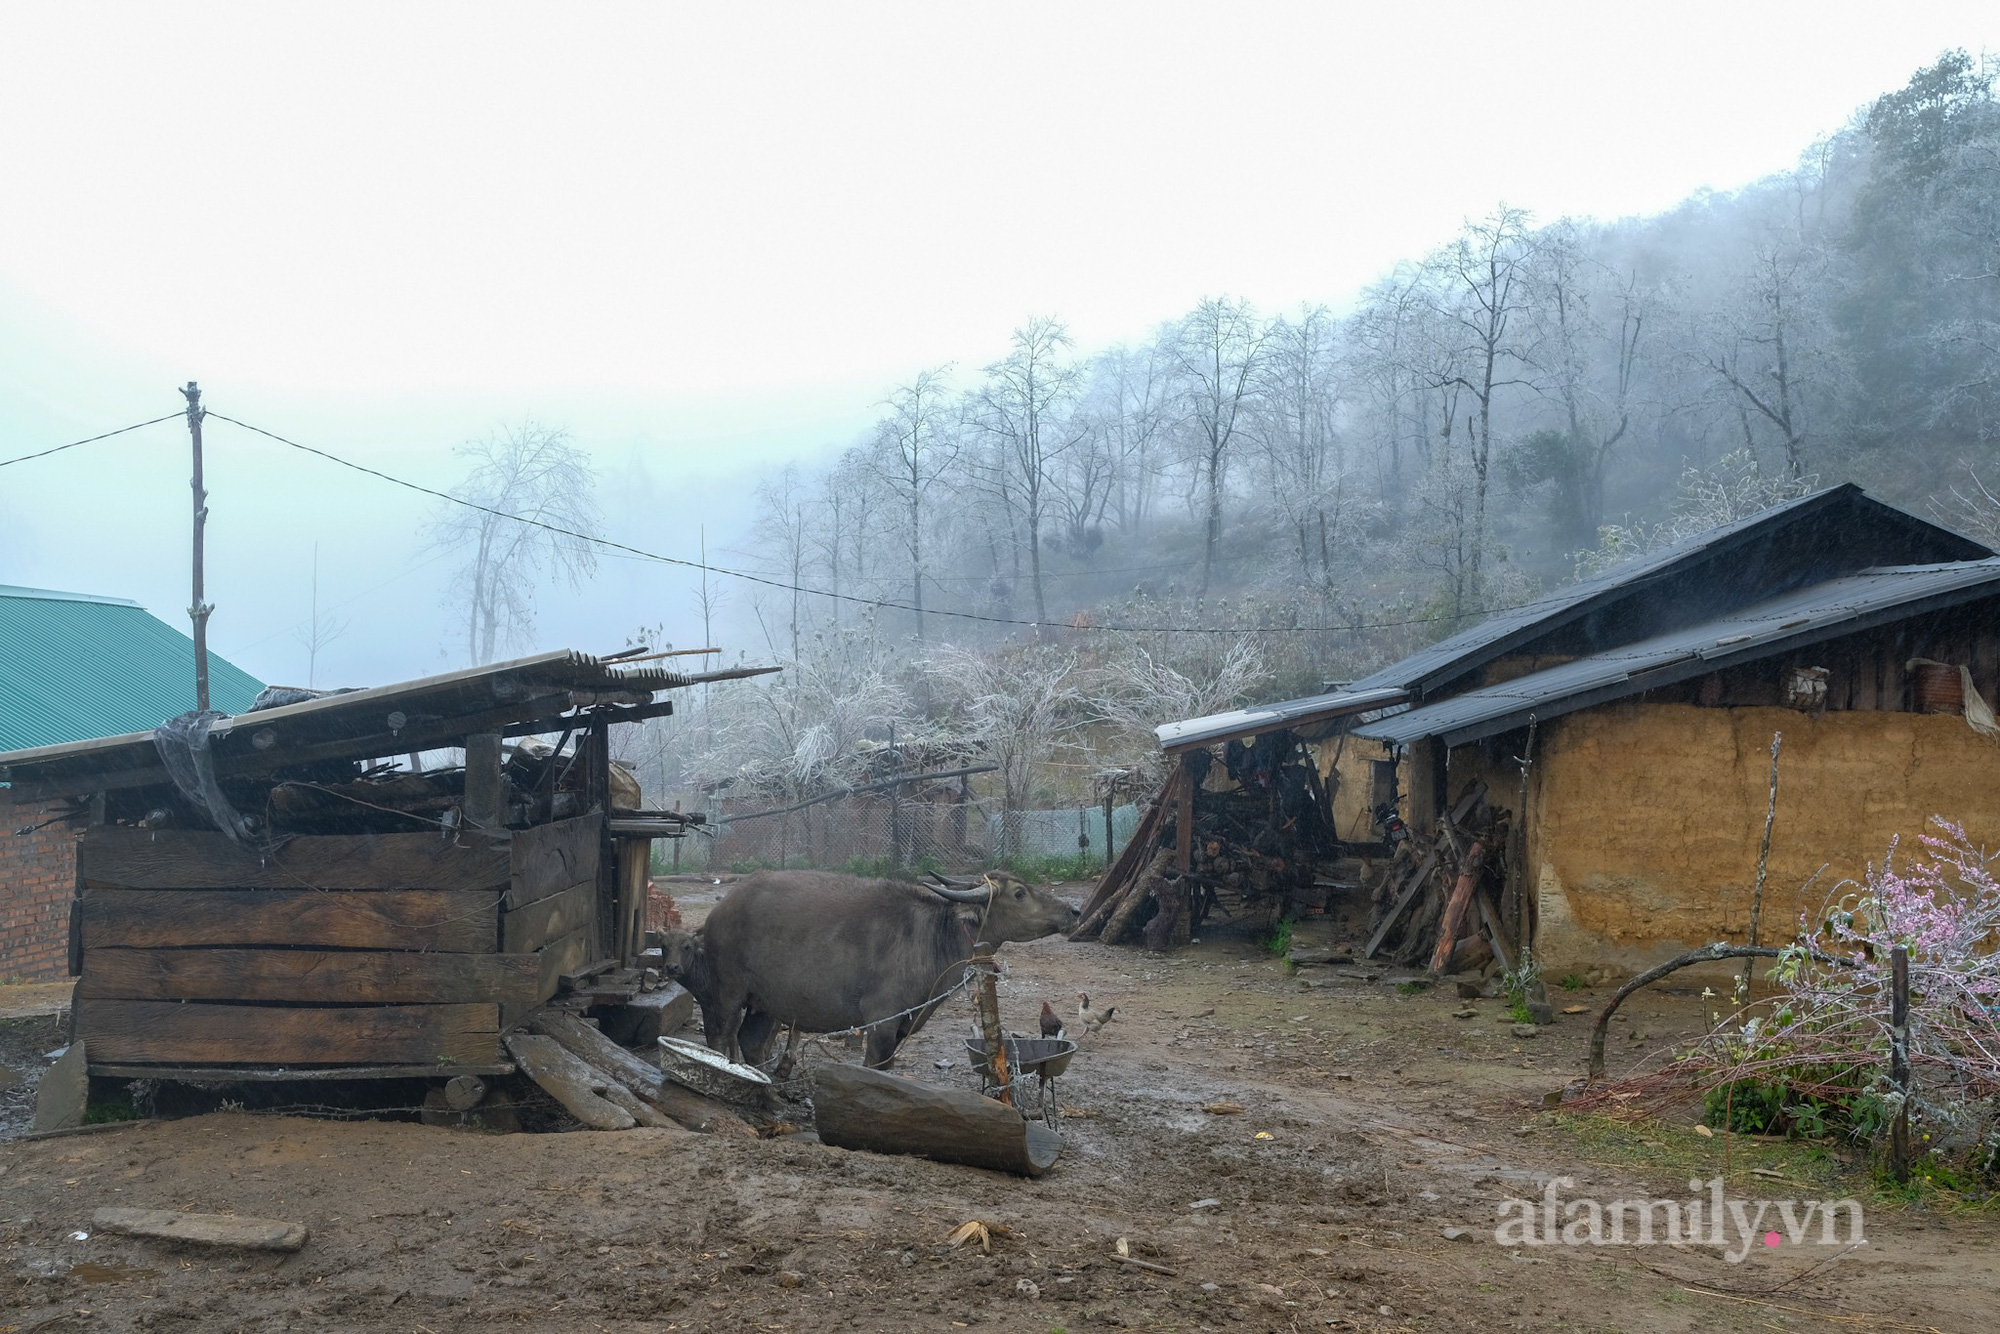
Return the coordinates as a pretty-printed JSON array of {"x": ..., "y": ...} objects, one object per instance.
[
  {"x": 286, "y": 891},
  {"x": 1644, "y": 701},
  {"x": 73, "y": 667}
]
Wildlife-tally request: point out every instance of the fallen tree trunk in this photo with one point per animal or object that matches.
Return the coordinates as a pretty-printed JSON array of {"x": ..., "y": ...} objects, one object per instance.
[{"x": 859, "y": 1108}]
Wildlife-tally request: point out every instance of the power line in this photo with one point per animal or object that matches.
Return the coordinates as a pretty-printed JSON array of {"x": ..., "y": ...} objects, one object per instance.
[
  {"x": 642, "y": 554},
  {"x": 171, "y": 416}
]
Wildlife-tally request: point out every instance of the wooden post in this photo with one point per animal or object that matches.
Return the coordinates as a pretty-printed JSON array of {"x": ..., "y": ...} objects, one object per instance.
[
  {"x": 198, "y": 610},
  {"x": 1184, "y": 821},
  {"x": 1763, "y": 857},
  {"x": 485, "y": 788},
  {"x": 1899, "y": 1060},
  {"x": 989, "y": 1024},
  {"x": 1110, "y": 850}
]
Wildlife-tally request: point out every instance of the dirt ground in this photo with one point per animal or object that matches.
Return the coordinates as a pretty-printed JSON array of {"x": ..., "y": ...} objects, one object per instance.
[{"x": 1374, "y": 1125}]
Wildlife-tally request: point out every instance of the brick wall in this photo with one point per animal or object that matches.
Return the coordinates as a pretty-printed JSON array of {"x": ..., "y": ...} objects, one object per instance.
[{"x": 37, "y": 881}]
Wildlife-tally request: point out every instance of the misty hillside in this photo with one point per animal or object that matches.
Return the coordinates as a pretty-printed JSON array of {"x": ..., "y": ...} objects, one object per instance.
[{"x": 1255, "y": 502}]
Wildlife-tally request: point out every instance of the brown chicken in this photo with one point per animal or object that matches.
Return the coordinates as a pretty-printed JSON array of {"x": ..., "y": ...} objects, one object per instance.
[{"x": 1052, "y": 1024}]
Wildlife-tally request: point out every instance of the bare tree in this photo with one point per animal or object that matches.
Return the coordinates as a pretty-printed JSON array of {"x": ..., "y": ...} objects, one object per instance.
[
  {"x": 1218, "y": 352},
  {"x": 320, "y": 630},
  {"x": 915, "y": 446},
  {"x": 1483, "y": 286},
  {"x": 1023, "y": 405},
  {"x": 536, "y": 508},
  {"x": 1300, "y": 439}
]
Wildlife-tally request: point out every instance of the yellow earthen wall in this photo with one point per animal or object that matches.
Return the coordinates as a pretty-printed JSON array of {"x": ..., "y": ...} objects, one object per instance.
[{"x": 1647, "y": 818}]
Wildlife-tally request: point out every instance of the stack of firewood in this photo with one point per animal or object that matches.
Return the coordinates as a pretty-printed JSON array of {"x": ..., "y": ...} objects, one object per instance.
[{"x": 1437, "y": 904}]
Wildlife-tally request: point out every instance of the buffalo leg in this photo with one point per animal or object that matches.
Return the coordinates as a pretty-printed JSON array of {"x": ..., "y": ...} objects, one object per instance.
[{"x": 753, "y": 1038}]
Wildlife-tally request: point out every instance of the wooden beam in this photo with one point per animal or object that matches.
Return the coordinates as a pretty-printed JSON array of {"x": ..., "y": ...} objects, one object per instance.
[
  {"x": 1184, "y": 820},
  {"x": 452, "y": 921},
  {"x": 303, "y": 975},
  {"x": 577, "y": 1086},
  {"x": 224, "y": 1074},
  {"x": 188, "y": 859},
  {"x": 192, "y": 1032},
  {"x": 485, "y": 802}
]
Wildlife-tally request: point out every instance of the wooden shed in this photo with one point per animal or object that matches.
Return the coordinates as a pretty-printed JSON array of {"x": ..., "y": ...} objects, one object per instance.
[{"x": 291, "y": 893}]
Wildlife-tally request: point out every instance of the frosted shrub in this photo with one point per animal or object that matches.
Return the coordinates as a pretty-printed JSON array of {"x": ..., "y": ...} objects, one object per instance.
[{"x": 1819, "y": 1060}]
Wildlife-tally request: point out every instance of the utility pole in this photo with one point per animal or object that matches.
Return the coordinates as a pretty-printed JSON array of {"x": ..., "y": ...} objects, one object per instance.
[{"x": 198, "y": 612}]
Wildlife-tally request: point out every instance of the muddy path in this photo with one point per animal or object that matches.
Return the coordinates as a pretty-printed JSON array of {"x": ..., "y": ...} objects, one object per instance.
[{"x": 1371, "y": 1123}]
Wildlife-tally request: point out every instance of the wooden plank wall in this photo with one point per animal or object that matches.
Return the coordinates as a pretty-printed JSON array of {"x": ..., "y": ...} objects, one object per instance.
[
  {"x": 356, "y": 950},
  {"x": 551, "y": 912}
]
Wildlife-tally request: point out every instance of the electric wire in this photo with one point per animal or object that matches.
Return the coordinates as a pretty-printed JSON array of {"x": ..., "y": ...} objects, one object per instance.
[{"x": 91, "y": 440}]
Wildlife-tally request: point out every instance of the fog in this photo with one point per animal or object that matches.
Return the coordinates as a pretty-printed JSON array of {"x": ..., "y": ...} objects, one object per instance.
[{"x": 708, "y": 244}]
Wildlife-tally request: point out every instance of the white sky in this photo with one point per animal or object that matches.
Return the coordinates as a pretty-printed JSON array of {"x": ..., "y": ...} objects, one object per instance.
[{"x": 701, "y": 237}]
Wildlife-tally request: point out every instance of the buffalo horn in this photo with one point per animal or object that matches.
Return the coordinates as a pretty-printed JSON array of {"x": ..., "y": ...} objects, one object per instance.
[{"x": 957, "y": 895}]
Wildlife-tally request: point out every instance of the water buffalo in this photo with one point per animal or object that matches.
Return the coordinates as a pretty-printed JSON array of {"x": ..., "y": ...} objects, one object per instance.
[
  {"x": 685, "y": 956},
  {"x": 824, "y": 952}
]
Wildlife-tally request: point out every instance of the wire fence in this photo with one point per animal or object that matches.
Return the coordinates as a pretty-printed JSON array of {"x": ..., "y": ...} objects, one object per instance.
[{"x": 873, "y": 833}]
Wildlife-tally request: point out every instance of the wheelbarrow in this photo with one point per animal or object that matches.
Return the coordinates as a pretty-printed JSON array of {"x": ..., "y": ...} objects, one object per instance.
[{"x": 1033, "y": 1065}]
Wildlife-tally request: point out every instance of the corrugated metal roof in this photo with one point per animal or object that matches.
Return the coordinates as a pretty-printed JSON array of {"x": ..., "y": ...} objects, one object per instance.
[
  {"x": 74, "y": 666},
  {"x": 1805, "y": 616},
  {"x": 527, "y": 695},
  {"x": 1506, "y": 629},
  {"x": 1215, "y": 727}
]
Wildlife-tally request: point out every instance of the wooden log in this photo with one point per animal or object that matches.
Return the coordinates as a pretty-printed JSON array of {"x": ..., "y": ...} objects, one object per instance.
[
  {"x": 859, "y": 1108},
  {"x": 549, "y": 918},
  {"x": 1129, "y": 907},
  {"x": 577, "y": 1086},
  {"x": 462, "y": 1093},
  {"x": 238, "y": 1230},
  {"x": 193, "y": 1032},
  {"x": 448, "y": 921},
  {"x": 1165, "y": 924},
  {"x": 1494, "y": 935},
  {"x": 1454, "y": 910},
  {"x": 681, "y": 1105},
  {"x": 1413, "y": 887},
  {"x": 547, "y": 859},
  {"x": 130, "y": 858},
  {"x": 642, "y": 1112},
  {"x": 374, "y": 976},
  {"x": 1133, "y": 855}
]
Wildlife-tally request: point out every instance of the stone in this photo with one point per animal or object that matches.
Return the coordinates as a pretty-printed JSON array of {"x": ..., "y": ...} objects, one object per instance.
[
  {"x": 64, "y": 1093},
  {"x": 1526, "y": 1031}
]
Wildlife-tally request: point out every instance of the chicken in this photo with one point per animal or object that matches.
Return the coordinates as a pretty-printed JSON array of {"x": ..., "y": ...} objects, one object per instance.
[
  {"x": 1052, "y": 1024},
  {"x": 1090, "y": 1017}
]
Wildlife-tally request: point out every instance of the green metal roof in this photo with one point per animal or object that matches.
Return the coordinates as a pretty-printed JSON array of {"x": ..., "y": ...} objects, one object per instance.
[{"x": 74, "y": 667}]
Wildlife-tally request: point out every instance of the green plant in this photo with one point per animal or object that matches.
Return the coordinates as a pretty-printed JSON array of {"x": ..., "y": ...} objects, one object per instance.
[
  {"x": 1519, "y": 1012},
  {"x": 1413, "y": 986},
  {"x": 1573, "y": 982},
  {"x": 119, "y": 1108},
  {"x": 1280, "y": 940}
]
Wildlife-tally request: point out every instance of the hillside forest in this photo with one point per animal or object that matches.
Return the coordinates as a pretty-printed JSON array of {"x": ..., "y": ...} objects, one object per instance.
[{"x": 1035, "y": 560}]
